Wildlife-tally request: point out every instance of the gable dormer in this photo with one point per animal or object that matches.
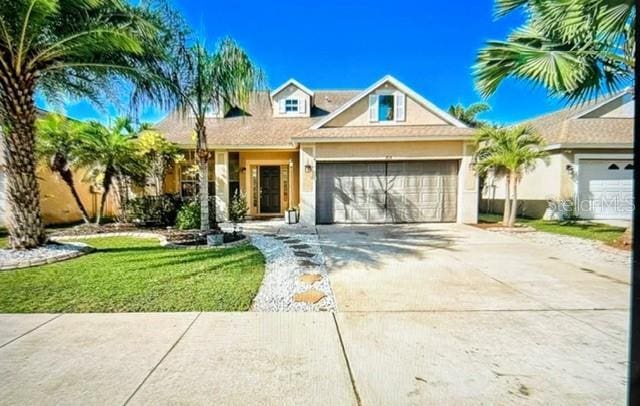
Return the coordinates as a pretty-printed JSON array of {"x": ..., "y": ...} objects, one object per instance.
[
  {"x": 292, "y": 99},
  {"x": 388, "y": 102}
]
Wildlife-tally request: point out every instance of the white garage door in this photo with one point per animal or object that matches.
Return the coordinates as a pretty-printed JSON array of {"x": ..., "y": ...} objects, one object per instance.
[
  {"x": 386, "y": 192},
  {"x": 605, "y": 189}
]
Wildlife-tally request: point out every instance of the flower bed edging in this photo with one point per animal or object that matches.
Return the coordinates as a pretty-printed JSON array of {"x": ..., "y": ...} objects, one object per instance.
[
  {"x": 81, "y": 250},
  {"x": 161, "y": 238}
]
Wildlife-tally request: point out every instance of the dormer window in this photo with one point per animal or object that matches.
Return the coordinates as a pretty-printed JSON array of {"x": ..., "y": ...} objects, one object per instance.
[
  {"x": 291, "y": 105},
  {"x": 386, "y": 106}
]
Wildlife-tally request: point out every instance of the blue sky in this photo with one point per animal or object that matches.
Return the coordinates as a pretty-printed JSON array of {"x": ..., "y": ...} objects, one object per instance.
[{"x": 332, "y": 44}]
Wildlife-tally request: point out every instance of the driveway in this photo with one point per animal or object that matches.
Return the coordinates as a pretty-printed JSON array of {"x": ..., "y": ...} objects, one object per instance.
[
  {"x": 450, "y": 313},
  {"x": 429, "y": 314}
]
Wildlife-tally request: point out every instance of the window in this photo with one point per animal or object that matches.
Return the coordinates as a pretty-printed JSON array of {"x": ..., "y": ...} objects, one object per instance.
[
  {"x": 629, "y": 167},
  {"x": 291, "y": 105},
  {"x": 385, "y": 107},
  {"x": 189, "y": 185},
  {"x": 613, "y": 167}
]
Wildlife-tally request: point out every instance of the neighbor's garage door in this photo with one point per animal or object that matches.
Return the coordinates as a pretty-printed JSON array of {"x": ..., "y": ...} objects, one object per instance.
[
  {"x": 386, "y": 192},
  {"x": 605, "y": 189}
]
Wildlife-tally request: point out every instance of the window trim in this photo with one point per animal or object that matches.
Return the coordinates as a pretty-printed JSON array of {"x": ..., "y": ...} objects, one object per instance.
[{"x": 291, "y": 102}]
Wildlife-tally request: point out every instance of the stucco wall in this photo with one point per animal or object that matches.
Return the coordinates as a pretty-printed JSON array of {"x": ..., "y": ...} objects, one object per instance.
[{"x": 358, "y": 114}]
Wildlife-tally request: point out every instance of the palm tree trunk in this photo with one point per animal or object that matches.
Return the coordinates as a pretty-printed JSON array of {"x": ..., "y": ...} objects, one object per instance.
[
  {"x": 203, "y": 176},
  {"x": 106, "y": 186},
  {"x": 67, "y": 177},
  {"x": 506, "y": 214},
  {"x": 514, "y": 201},
  {"x": 23, "y": 196}
]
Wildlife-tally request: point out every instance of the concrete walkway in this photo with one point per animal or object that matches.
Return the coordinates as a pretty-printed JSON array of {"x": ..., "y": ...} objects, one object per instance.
[{"x": 431, "y": 314}]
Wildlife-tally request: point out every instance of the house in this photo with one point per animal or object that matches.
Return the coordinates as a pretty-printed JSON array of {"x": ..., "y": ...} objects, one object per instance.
[
  {"x": 590, "y": 163},
  {"x": 380, "y": 155}
]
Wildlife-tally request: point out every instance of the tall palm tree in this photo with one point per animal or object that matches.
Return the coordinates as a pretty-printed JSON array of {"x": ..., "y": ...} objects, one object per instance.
[
  {"x": 509, "y": 152},
  {"x": 469, "y": 114},
  {"x": 576, "y": 49},
  {"x": 112, "y": 152},
  {"x": 57, "y": 143},
  {"x": 61, "y": 48},
  {"x": 204, "y": 79}
]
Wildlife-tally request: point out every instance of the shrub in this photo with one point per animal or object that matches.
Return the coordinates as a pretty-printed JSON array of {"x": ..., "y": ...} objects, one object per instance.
[
  {"x": 188, "y": 217},
  {"x": 154, "y": 210},
  {"x": 238, "y": 209}
]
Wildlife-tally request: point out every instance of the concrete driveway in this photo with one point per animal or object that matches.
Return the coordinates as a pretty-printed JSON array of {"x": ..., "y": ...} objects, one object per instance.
[{"x": 433, "y": 314}]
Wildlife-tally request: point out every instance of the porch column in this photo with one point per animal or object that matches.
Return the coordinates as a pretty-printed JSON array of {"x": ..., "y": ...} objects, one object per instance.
[
  {"x": 222, "y": 185},
  {"x": 307, "y": 184},
  {"x": 467, "y": 187}
]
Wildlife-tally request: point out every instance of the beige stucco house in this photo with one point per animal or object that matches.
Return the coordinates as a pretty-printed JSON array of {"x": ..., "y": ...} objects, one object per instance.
[
  {"x": 590, "y": 163},
  {"x": 380, "y": 155}
]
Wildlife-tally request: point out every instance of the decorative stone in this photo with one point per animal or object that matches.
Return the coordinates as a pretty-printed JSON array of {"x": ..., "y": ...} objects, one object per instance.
[
  {"x": 282, "y": 237},
  {"x": 300, "y": 246},
  {"x": 292, "y": 241},
  {"x": 310, "y": 278},
  {"x": 303, "y": 254},
  {"x": 311, "y": 296},
  {"x": 307, "y": 263}
]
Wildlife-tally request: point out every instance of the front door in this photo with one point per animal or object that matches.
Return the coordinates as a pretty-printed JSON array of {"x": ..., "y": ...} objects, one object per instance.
[{"x": 269, "y": 189}]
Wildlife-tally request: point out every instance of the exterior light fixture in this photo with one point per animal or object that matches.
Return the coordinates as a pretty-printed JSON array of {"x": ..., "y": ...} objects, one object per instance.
[
  {"x": 243, "y": 170},
  {"x": 308, "y": 168}
]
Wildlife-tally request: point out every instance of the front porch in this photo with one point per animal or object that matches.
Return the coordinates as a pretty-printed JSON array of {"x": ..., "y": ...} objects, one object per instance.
[{"x": 267, "y": 178}]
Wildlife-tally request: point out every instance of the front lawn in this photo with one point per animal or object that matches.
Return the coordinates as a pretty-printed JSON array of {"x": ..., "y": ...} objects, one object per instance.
[
  {"x": 593, "y": 231},
  {"x": 137, "y": 275}
]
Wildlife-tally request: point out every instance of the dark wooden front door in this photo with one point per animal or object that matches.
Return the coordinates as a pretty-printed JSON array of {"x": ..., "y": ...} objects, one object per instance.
[{"x": 269, "y": 189}]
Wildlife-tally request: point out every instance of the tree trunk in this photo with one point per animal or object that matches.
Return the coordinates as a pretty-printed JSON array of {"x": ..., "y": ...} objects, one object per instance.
[
  {"x": 514, "y": 201},
  {"x": 506, "y": 215},
  {"x": 123, "y": 196},
  {"x": 106, "y": 186},
  {"x": 203, "y": 176},
  {"x": 23, "y": 194}
]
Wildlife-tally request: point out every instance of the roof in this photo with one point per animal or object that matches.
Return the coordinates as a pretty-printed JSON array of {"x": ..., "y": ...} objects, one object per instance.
[
  {"x": 259, "y": 128},
  {"x": 398, "y": 85},
  {"x": 591, "y": 123}
]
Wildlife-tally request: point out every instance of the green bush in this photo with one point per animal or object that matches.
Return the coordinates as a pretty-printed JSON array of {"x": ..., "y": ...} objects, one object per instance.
[
  {"x": 154, "y": 210},
  {"x": 238, "y": 208},
  {"x": 189, "y": 216}
]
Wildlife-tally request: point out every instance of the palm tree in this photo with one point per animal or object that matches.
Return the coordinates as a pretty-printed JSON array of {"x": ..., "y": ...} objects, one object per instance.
[
  {"x": 68, "y": 48},
  {"x": 576, "y": 49},
  {"x": 57, "y": 143},
  {"x": 111, "y": 152},
  {"x": 508, "y": 152},
  {"x": 468, "y": 115},
  {"x": 204, "y": 80}
]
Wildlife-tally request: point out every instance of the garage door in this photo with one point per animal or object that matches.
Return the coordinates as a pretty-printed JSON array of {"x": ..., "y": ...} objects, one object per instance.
[
  {"x": 605, "y": 189},
  {"x": 386, "y": 192}
]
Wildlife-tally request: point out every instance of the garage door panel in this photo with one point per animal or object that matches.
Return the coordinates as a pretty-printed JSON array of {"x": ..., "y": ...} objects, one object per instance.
[
  {"x": 376, "y": 192},
  {"x": 605, "y": 189}
]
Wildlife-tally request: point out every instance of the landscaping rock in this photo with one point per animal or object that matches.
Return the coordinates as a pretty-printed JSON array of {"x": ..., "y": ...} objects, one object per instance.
[
  {"x": 303, "y": 254},
  {"x": 47, "y": 254},
  {"x": 300, "y": 246},
  {"x": 284, "y": 272},
  {"x": 310, "y": 278},
  {"x": 311, "y": 296},
  {"x": 292, "y": 241}
]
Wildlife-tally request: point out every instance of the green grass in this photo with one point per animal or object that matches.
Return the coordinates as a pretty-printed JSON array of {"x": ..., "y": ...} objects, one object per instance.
[
  {"x": 137, "y": 275},
  {"x": 583, "y": 229}
]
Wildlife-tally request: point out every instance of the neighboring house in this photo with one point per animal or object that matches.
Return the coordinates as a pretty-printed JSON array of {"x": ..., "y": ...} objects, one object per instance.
[
  {"x": 590, "y": 162},
  {"x": 381, "y": 155}
]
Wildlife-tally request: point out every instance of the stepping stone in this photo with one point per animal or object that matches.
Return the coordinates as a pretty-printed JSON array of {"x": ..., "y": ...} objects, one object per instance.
[
  {"x": 311, "y": 296},
  {"x": 300, "y": 246},
  {"x": 310, "y": 278},
  {"x": 303, "y": 254},
  {"x": 293, "y": 241},
  {"x": 307, "y": 263},
  {"x": 282, "y": 237},
  {"x": 269, "y": 235}
]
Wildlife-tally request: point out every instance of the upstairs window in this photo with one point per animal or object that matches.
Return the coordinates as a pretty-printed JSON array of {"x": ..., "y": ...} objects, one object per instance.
[
  {"x": 291, "y": 105},
  {"x": 387, "y": 107}
]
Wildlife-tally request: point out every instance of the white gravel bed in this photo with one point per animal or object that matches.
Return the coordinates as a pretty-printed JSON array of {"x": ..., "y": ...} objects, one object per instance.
[
  {"x": 280, "y": 282},
  {"x": 589, "y": 250},
  {"x": 47, "y": 254}
]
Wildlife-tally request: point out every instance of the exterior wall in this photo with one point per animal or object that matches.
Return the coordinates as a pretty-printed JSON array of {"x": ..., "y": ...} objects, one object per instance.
[
  {"x": 358, "y": 114},
  {"x": 291, "y": 92},
  {"x": 57, "y": 203},
  {"x": 467, "y": 179},
  {"x": 550, "y": 180},
  {"x": 289, "y": 194},
  {"x": 222, "y": 185}
]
